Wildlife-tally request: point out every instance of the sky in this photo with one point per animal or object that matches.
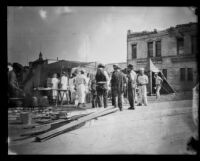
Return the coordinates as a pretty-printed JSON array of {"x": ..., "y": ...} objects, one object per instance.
[{"x": 83, "y": 33}]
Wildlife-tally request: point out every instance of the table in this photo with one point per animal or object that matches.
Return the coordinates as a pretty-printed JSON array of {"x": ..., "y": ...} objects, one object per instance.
[{"x": 64, "y": 91}]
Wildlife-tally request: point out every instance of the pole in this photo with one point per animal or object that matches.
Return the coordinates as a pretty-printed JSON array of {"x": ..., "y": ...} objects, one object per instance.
[{"x": 150, "y": 82}]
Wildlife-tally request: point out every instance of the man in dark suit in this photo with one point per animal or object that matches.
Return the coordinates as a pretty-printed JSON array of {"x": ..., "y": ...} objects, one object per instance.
[
  {"x": 118, "y": 82},
  {"x": 132, "y": 77}
]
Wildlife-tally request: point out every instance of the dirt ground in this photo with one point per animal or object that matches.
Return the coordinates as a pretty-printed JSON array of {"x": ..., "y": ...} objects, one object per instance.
[{"x": 160, "y": 128}]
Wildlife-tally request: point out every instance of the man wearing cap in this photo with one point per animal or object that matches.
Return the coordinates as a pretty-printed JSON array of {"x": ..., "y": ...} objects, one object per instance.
[
  {"x": 132, "y": 77},
  {"x": 118, "y": 82},
  {"x": 102, "y": 82},
  {"x": 158, "y": 81},
  {"x": 142, "y": 81}
]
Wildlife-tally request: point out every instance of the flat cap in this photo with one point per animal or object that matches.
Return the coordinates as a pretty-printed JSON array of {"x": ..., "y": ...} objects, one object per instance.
[
  {"x": 130, "y": 66},
  {"x": 141, "y": 69},
  {"x": 101, "y": 65},
  {"x": 116, "y": 66}
]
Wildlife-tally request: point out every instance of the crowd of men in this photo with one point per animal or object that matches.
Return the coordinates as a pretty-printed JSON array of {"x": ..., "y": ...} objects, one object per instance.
[
  {"x": 96, "y": 88},
  {"x": 81, "y": 87}
]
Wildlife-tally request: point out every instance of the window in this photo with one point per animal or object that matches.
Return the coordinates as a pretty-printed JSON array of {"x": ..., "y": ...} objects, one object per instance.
[
  {"x": 150, "y": 49},
  {"x": 134, "y": 51},
  {"x": 158, "y": 48},
  {"x": 164, "y": 71},
  {"x": 194, "y": 44},
  {"x": 180, "y": 46},
  {"x": 182, "y": 74},
  {"x": 190, "y": 74}
]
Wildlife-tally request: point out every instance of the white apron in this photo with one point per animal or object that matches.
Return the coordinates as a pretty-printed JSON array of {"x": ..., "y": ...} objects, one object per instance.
[
  {"x": 64, "y": 83},
  {"x": 54, "y": 82}
]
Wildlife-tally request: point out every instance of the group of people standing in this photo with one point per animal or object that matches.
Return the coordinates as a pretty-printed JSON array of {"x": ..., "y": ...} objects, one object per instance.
[
  {"x": 98, "y": 86},
  {"x": 120, "y": 81},
  {"x": 76, "y": 87},
  {"x": 121, "y": 84}
]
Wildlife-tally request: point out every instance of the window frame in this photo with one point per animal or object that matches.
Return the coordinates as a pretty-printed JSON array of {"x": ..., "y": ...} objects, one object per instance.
[
  {"x": 148, "y": 51},
  {"x": 157, "y": 48},
  {"x": 182, "y": 77},
  {"x": 190, "y": 74},
  {"x": 135, "y": 51},
  {"x": 193, "y": 47},
  {"x": 178, "y": 45}
]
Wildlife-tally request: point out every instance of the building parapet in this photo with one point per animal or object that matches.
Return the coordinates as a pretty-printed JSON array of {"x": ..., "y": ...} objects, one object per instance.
[{"x": 179, "y": 28}]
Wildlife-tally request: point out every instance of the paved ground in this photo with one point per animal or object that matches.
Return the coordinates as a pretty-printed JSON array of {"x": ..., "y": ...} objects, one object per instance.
[{"x": 160, "y": 128}]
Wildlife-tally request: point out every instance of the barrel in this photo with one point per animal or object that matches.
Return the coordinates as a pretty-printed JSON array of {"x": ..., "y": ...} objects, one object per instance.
[
  {"x": 26, "y": 118},
  {"x": 43, "y": 101}
]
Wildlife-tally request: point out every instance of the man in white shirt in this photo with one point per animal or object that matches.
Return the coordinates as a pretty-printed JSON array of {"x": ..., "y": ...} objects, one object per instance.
[
  {"x": 55, "y": 81},
  {"x": 142, "y": 82},
  {"x": 64, "y": 86},
  {"x": 158, "y": 81}
]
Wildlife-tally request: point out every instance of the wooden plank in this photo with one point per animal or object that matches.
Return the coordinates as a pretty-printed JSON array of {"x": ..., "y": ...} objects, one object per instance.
[
  {"x": 24, "y": 140},
  {"x": 74, "y": 126},
  {"x": 75, "y": 123}
]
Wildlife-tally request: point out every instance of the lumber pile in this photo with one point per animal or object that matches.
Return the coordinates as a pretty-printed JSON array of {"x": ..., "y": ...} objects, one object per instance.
[
  {"x": 52, "y": 123},
  {"x": 73, "y": 124}
]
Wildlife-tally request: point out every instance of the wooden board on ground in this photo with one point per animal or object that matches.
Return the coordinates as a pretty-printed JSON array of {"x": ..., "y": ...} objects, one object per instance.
[
  {"x": 58, "y": 131},
  {"x": 23, "y": 139}
]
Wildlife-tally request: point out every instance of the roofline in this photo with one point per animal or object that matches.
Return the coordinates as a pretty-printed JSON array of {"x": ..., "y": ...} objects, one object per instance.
[{"x": 144, "y": 33}]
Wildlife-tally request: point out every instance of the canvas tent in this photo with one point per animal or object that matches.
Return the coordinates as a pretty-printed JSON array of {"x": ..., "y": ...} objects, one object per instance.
[
  {"x": 37, "y": 76},
  {"x": 151, "y": 70}
]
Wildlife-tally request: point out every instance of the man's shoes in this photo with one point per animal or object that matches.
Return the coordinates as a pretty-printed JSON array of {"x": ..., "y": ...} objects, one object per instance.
[
  {"x": 121, "y": 109},
  {"x": 139, "y": 104},
  {"x": 131, "y": 108}
]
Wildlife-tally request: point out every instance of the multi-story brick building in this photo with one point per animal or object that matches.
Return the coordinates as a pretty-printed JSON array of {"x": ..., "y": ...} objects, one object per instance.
[{"x": 173, "y": 51}]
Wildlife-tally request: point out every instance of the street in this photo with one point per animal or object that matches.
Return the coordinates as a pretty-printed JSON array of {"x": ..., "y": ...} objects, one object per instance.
[{"x": 159, "y": 128}]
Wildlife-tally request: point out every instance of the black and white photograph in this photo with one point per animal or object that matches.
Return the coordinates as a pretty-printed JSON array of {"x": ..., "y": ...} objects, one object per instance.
[{"x": 102, "y": 80}]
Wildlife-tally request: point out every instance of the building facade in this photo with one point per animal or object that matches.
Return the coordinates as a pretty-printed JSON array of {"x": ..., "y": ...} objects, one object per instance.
[{"x": 173, "y": 51}]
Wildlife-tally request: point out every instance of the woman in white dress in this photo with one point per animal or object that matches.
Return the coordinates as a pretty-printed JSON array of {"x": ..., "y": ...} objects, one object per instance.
[{"x": 80, "y": 83}]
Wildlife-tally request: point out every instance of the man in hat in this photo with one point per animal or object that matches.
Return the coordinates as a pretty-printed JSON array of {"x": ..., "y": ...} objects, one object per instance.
[
  {"x": 158, "y": 81},
  {"x": 118, "y": 82},
  {"x": 132, "y": 77},
  {"x": 142, "y": 81},
  {"x": 102, "y": 82}
]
